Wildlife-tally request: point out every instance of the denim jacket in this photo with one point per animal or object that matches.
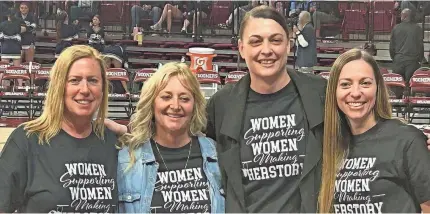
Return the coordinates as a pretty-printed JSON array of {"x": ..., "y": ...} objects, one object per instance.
[{"x": 136, "y": 185}]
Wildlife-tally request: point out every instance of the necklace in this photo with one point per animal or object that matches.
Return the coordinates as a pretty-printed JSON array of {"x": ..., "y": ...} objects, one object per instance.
[{"x": 186, "y": 163}]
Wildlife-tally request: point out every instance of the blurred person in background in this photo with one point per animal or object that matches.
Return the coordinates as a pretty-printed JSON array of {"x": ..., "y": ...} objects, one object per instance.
[
  {"x": 66, "y": 32},
  {"x": 406, "y": 47},
  {"x": 306, "y": 43},
  {"x": 28, "y": 37},
  {"x": 148, "y": 10},
  {"x": 96, "y": 34},
  {"x": 170, "y": 12},
  {"x": 10, "y": 38}
]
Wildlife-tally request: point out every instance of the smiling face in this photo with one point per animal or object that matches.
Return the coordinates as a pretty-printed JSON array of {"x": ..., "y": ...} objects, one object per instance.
[
  {"x": 173, "y": 108},
  {"x": 265, "y": 47},
  {"x": 84, "y": 89},
  {"x": 356, "y": 93}
]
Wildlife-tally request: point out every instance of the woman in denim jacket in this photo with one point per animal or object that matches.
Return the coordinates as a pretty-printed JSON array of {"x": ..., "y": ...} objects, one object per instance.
[{"x": 164, "y": 166}]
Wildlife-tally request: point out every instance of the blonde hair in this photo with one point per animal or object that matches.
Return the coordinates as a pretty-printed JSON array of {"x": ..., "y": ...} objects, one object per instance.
[
  {"x": 142, "y": 125},
  {"x": 336, "y": 129},
  {"x": 49, "y": 123}
]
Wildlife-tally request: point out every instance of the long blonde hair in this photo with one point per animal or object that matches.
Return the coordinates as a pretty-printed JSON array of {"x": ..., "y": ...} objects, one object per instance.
[
  {"x": 142, "y": 125},
  {"x": 337, "y": 131},
  {"x": 49, "y": 123}
]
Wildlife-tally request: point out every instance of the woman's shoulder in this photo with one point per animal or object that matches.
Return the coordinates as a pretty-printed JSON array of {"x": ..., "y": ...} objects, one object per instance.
[
  {"x": 124, "y": 152},
  {"x": 19, "y": 133},
  {"x": 402, "y": 131},
  {"x": 21, "y": 138},
  {"x": 124, "y": 155},
  {"x": 207, "y": 140},
  {"x": 208, "y": 146}
]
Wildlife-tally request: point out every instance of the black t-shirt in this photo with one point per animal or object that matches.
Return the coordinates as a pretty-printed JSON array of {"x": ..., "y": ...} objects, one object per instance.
[
  {"x": 95, "y": 37},
  {"x": 387, "y": 170},
  {"x": 68, "y": 175},
  {"x": 272, "y": 151},
  {"x": 179, "y": 189},
  {"x": 11, "y": 28}
]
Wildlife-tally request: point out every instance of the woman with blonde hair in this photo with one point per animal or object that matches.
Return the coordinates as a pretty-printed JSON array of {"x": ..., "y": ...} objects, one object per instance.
[
  {"x": 64, "y": 161},
  {"x": 166, "y": 165},
  {"x": 371, "y": 162}
]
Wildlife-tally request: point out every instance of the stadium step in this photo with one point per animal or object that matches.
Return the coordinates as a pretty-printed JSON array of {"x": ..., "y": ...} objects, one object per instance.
[{"x": 426, "y": 25}]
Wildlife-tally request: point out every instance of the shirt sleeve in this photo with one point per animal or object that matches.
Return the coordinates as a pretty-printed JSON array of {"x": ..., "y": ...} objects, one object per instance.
[
  {"x": 210, "y": 126},
  {"x": 302, "y": 41},
  {"x": 392, "y": 44},
  {"x": 416, "y": 163},
  {"x": 13, "y": 175}
]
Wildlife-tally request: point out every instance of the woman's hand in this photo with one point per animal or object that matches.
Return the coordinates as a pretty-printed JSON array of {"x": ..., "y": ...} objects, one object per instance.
[{"x": 117, "y": 128}]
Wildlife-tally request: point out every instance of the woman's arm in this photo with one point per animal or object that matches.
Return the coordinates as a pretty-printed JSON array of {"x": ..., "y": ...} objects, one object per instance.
[
  {"x": 425, "y": 207},
  {"x": 13, "y": 175},
  {"x": 416, "y": 164},
  {"x": 117, "y": 128}
]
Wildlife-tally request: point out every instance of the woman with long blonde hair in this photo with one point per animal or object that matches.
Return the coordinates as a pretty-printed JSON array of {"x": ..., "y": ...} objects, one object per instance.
[
  {"x": 65, "y": 160},
  {"x": 166, "y": 165},
  {"x": 371, "y": 162}
]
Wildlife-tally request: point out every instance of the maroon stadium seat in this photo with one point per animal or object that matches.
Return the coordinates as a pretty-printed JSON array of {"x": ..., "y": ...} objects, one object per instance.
[
  {"x": 221, "y": 46},
  {"x": 324, "y": 74},
  {"x": 120, "y": 101},
  {"x": 234, "y": 76},
  {"x": 173, "y": 45},
  {"x": 419, "y": 99},
  {"x": 395, "y": 83}
]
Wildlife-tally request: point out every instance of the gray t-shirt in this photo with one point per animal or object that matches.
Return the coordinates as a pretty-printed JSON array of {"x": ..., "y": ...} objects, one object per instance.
[
  {"x": 272, "y": 151},
  {"x": 68, "y": 175},
  {"x": 387, "y": 170},
  {"x": 179, "y": 189}
]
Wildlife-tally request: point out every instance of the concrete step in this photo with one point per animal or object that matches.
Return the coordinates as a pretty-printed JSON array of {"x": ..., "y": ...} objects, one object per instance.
[
  {"x": 426, "y": 25},
  {"x": 427, "y": 36}
]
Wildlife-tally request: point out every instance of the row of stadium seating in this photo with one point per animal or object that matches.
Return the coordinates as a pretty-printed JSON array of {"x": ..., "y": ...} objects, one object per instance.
[
  {"x": 151, "y": 53},
  {"x": 29, "y": 99},
  {"x": 417, "y": 100}
]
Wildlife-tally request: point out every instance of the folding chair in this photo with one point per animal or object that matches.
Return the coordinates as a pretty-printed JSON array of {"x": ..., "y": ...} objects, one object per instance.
[
  {"x": 209, "y": 82},
  {"x": 3, "y": 66},
  {"x": 31, "y": 65},
  {"x": 40, "y": 84},
  {"x": 419, "y": 99},
  {"x": 15, "y": 98},
  {"x": 140, "y": 77},
  {"x": 234, "y": 76},
  {"x": 118, "y": 102},
  {"x": 383, "y": 71},
  {"x": 324, "y": 74},
  {"x": 396, "y": 85},
  {"x": 422, "y": 70}
]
